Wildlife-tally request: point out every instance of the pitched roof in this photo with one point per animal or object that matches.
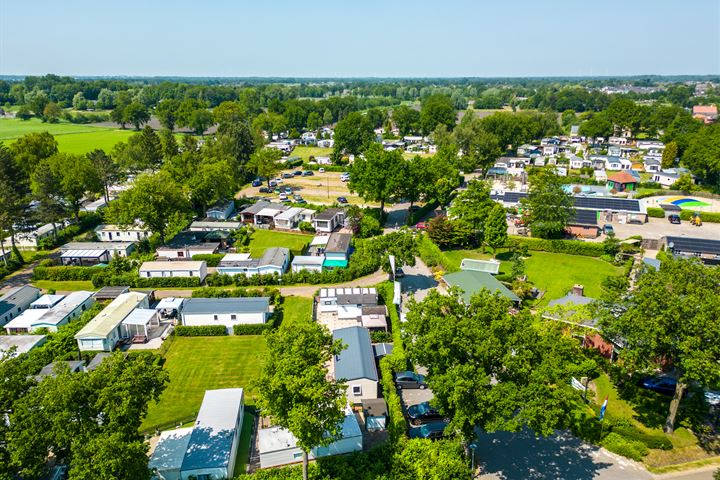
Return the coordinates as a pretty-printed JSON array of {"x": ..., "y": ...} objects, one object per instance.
[
  {"x": 226, "y": 305},
  {"x": 622, "y": 177},
  {"x": 18, "y": 296},
  {"x": 111, "y": 316},
  {"x": 338, "y": 243},
  {"x": 328, "y": 214},
  {"x": 358, "y": 359},
  {"x": 471, "y": 282}
]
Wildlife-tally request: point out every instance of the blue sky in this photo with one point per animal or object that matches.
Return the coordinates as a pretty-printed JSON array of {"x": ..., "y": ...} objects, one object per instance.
[{"x": 363, "y": 38}]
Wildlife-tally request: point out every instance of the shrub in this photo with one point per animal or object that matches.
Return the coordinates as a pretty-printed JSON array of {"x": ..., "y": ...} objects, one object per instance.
[
  {"x": 212, "y": 259},
  {"x": 655, "y": 212},
  {"x": 709, "y": 217},
  {"x": 61, "y": 274},
  {"x": 201, "y": 331},
  {"x": 396, "y": 425},
  {"x": 650, "y": 440},
  {"x": 571, "y": 247},
  {"x": 213, "y": 292},
  {"x": 627, "y": 448},
  {"x": 46, "y": 263},
  {"x": 306, "y": 227},
  {"x": 380, "y": 336},
  {"x": 104, "y": 279},
  {"x": 252, "y": 329},
  {"x": 431, "y": 254}
]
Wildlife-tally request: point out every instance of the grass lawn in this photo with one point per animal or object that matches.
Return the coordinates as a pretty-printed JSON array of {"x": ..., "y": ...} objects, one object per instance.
[
  {"x": 65, "y": 286},
  {"x": 243, "y": 451},
  {"x": 196, "y": 364},
  {"x": 85, "y": 142},
  {"x": 14, "y": 127},
  {"x": 306, "y": 152},
  {"x": 264, "y": 239},
  {"x": 555, "y": 273},
  {"x": 296, "y": 309}
]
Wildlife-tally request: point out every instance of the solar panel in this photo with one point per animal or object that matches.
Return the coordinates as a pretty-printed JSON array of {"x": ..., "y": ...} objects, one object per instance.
[
  {"x": 584, "y": 217},
  {"x": 696, "y": 245},
  {"x": 603, "y": 203}
]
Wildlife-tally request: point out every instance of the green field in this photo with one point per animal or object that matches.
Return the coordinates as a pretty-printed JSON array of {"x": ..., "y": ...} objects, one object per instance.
[
  {"x": 555, "y": 273},
  {"x": 264, "y": 239},
  {"x": 296, "y": 309},
  {"x": 197, "y": 364},
  {"x": 72, "y": 138},
  {"x": 306, "y": 152}
]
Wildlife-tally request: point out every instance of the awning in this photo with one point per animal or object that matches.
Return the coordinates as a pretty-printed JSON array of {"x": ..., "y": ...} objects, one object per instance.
[
  {"x": 83, "y": 253},
  {"x": 335, "y": 263}
]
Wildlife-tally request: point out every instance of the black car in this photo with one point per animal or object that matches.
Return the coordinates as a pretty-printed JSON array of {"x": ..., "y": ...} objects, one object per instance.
[
  {"x": 422, "y": 413},
  {"x": 265, "y": 190},
  {"x": 663, "y": 385},
  {"x": 308, "y": 173},
  {"x": 410, "y": 380},
  {"x": 399, "y": 272},
  {"x": 432, "y": 430},
  {"x": 297, "y": 173},
  {"x": 342, "y": 200},
  {"x": 287, "y": 175},
  {"x": 674, "y": 219}
]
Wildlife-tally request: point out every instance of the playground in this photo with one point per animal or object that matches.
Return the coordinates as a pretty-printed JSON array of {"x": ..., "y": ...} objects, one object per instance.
[{"x": 692, "y": 203}]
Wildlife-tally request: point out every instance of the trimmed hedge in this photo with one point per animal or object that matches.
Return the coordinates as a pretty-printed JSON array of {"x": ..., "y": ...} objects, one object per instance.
[
  {"x": 570, "y": 247},
  {"x": 709, "y": 217},
  {"x": 627, "y": 448},
  {"x": 201, "y": 331},
  {"x": 212, "y": 259},
  {"x": 252, "y": 329},
  {"x": 213, "y": 292},
  {"x": 133, "y": 280},
  {"x": 655, "y": 212},
  {"x": 61, "y": 274},
  {"x": 431, "y": 254}
]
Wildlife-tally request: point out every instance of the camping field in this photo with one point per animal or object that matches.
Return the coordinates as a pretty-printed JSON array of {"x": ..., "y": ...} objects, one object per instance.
[
  {"x": 196, "y": 364},
  {"x": 261, "y": 240},
  {"x": 71, "y": 138}
]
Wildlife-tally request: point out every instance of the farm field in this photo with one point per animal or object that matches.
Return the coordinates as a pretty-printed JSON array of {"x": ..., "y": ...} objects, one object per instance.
[
  {"x": 196, "y": 364},
  {"x": 261, "y": 240},
  {"x": 555, "y": 273}
]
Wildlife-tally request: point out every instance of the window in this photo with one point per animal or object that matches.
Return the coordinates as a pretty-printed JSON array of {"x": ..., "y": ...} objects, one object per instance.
[
  {"x": 297, "y": 455},
  {"x": 191, "y": 273},
  {"x": 215, "y": 317},
  {"x": 233, "y": 317},
  {"x": 357, "y": 390},
  {"x": 181, "y": 254}
]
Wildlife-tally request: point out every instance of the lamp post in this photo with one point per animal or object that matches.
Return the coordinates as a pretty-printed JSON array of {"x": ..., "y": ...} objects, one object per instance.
[{"x": 473, "y": 447}]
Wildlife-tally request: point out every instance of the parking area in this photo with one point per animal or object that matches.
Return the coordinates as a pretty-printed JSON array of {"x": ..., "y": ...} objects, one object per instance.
[
  {"x": 657, "y": 228},
  {"x": 414, "y": 396}
]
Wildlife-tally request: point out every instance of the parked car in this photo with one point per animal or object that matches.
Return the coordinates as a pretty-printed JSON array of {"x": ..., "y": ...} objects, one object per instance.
[
  {"x": 297, "y": 196},
  {"x": 308, "y": 173},
  {"x": 421, "y": 225},
  {"x": 302, "y": 201},
  {"x": 264, "y": 190},
  {"x": 342, "y": 200},
  {"x": 410, "y": 380},
  {"x": 608, "y": 229},
  {"x": 283, "y": 196},
  {"x": 279, "y": 180},
  {"x": 288, "y": 190},
  {"x": 432, "y": 430},
  {"x": 277, "y": 190},
  {"x": 272, "y": 183},
  {"x": 423, "y": 413},
  {"x": 297, "y": 173},
  {"x": 256, "y": 182},
  {"x": 287, "y": 175},
  {"x": 345, "y": 177},
  {"x": 674, "y": 219},
  {"x": 321, "y": 170},
  {"x": 663, "y": 385},
  {"x": 399, "y": 273}
]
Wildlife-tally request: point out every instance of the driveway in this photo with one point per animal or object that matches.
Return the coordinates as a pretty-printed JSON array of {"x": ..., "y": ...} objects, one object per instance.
[{"x": 511, "y": 456}]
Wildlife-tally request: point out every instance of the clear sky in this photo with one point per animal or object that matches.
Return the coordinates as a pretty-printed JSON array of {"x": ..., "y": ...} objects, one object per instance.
[{"x": 364, "y": 38}]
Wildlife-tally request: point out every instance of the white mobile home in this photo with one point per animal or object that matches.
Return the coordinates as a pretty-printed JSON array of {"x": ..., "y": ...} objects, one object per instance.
[
  {"x": 117, "y": 233},
  {"x": 225, "y": 311},
  {"x": 274, "y": 260},
  {"x": 174, "y": 269},
  {"x": 15, "y": 301},
  {"x": 328, "y": 220},
  {"x": 104, "y": 331},
  {"x": 355, "y": 365},
  {"x": 312, "y": 263},
  {"x": 61, "y": 313}
]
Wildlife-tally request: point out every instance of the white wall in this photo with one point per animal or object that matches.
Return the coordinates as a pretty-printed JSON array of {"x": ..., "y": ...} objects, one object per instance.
[
  {"x": 201, "y": 273},
  {"x": 195, "y": 320},
  {"x": 121, "y": 235},
  {"x": 369, "y": 390}
]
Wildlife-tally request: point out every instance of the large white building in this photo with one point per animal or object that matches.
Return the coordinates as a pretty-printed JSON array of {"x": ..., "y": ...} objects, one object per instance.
[
  {"x": 117, "y": 233},
  {"x": 225, "y": 311}
]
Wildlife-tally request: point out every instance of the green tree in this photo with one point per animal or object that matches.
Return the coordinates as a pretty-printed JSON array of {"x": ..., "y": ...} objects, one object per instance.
[
  {"x": 495, "y": 231},
  {"x": 79, "y": 102},
  {"x": 406, "y": 119},
  {"x": 420, "y": 459},
  {"x": 703, "y": 154},
  {"x": 51, "y": 113},
  {"x": 377, "y": 177},
  {"x": 166, "y": 113},
  {"x": 314, "y": 121},
  {"x": 234, "y": 141},
  {"x": 294, "y": 389},
  {"x": 76, "y": 176},
  {"x": 107, "y": 171},
  {"x": 14, "y": 192},
  {"x": 678, "y": 329},
  {"x": 46, "y": 185},
  {"x": 229, "y": 112},
  {"x": 479, "y": 148},
  {"x": 684, "y": 182},
  {"x": 669, "y": 155},
  {"x": 596, "y": 126},
  {"x": 489, "y": 369},
  {"x": 105, "y": 100},
  {"x": 353, "y": 134},
  {"x": 327, "y": 117},
  {"x": 437, "y": 110},
  {"x": 154, "y": 199},
  {"x": 211, "y": 182},
  {"x": 472, "y": 207},
  {"x": 169, "y": 144},
  {"x": 136, "y": 114},
  {"x": 549, "y": 205},
  {"x": 31, "y": 148},
  {"x": 142, "y": 151},
  {"x": 264, "y": 163}
]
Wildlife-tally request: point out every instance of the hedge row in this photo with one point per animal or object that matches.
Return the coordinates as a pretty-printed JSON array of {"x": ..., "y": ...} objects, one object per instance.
[
  {"x": 709, "y": 217},
  {"x": 571, "y": 247},
  {"x": 201, "y": 331},
  {"x": 61, "y": 274},
  {"x": 212, "y": 259},
  {"x": 214, "y": 292},
  {"x": 655, "y": 212},
  {"x": 431, "y": 254},
  {"x": 133, "y": 280},
  {"x": 632, "y": 449},
  {"x": 424, "y": 210},
  {"x": 253, "y": 329}
]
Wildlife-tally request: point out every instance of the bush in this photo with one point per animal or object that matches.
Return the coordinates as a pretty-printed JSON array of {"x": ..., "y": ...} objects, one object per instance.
[
  {"x": 431, "y": 254},
  {"x": 709, "y": 217},
  {"x": 201, "y": 331},
  {"x": 424, "y": 210},
  {"x": 380, "y": 336},
  {"x": 212, "y": 259},
  {"x": 571, "y": 247},
  {"x": 213, "y": 292},
  {"x": 655, "y": 212},
  {"x": 46, "y": 263},
  {"x": 253, "y": 329},
  {"x": 627, "y": 448},
  {"x": 306, "y": 227},
  {"x": 396, "y": 426},
  {"x": 61, "y": 274},
  {"x": 105, "y": 279}
]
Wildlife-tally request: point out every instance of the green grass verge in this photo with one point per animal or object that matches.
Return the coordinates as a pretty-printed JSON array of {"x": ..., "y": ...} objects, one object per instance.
[
  {"x": 263, "y": 239},
  {"x": 64, "y": 286},
  {"x": 196, "y": 364},
  {"x": 296, "y": 310},
  {"x": 243, "y": 451}
]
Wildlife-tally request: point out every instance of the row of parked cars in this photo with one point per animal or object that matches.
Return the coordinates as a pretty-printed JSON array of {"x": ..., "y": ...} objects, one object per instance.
[{"x": 425, "y": 420}]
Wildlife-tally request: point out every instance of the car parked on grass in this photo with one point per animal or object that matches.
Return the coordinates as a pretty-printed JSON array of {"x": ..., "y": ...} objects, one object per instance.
[
  {"x": 288, "y": 190},
  {"x": 423, "y": 413},
  {"x": 342, "y": 200},
  {"x": 287, "y": 175},
  {"x": 345, "y": 177},
  {"x": 674, "y": 219},
  {"x": 256, "y": 182},
  {"x": 410, "y": 380},
  {"x": 432, "y": 430},
  {"x": 321, "y": 170},
  {"x": 308, "y": 173},
  {"x": 265, "y": 190},
  {"x": 272, "y": 183},
  {"x": 297, "y": 173}
]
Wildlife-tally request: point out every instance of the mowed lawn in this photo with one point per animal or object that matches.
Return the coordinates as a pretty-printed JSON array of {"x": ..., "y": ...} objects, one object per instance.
[
  {"x": 306, "y": 152},
  {"x": 196, "y": 364},
  {"x": 296, "y": 310},
  {"x": 261, "y": 240},
  {"x": 555, "y": 273},
  {"x": 104, "y": 139}
]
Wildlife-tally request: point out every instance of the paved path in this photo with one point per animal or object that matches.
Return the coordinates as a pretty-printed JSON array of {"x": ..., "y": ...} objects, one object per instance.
[{"x": 23, "y": 276}]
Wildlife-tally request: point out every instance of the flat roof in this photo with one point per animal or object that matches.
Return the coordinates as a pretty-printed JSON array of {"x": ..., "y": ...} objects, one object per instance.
[
  {"x": 235, "y": 257},
  {"x": 23, "y": 343},
  {"x": 210, "y": 444},
  {"x": 170, "y": 449},
  {"x": 338, "y": 243},
  {"x": 489, "y": 266},
  {"x": 96, "y": 246},
  {"x": 226, "y": 305},
  {"x": 27, "y": 318},
  {"x": 289, "y": 214},
  {"x": 319, "y": 240},
  {"x": 46, "y": 301},
  {"x": 58, "y": 313},
  {"x": 169, "y": 302},
  {"x": 83, "y": 253},
  {"x": 111, "y": 316},
  {"x": 140, "y": 316},
  {"x": 118, "y": 228},
  {"x": 160, "y": 266},
  {"x": 308, "y": 260}
]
